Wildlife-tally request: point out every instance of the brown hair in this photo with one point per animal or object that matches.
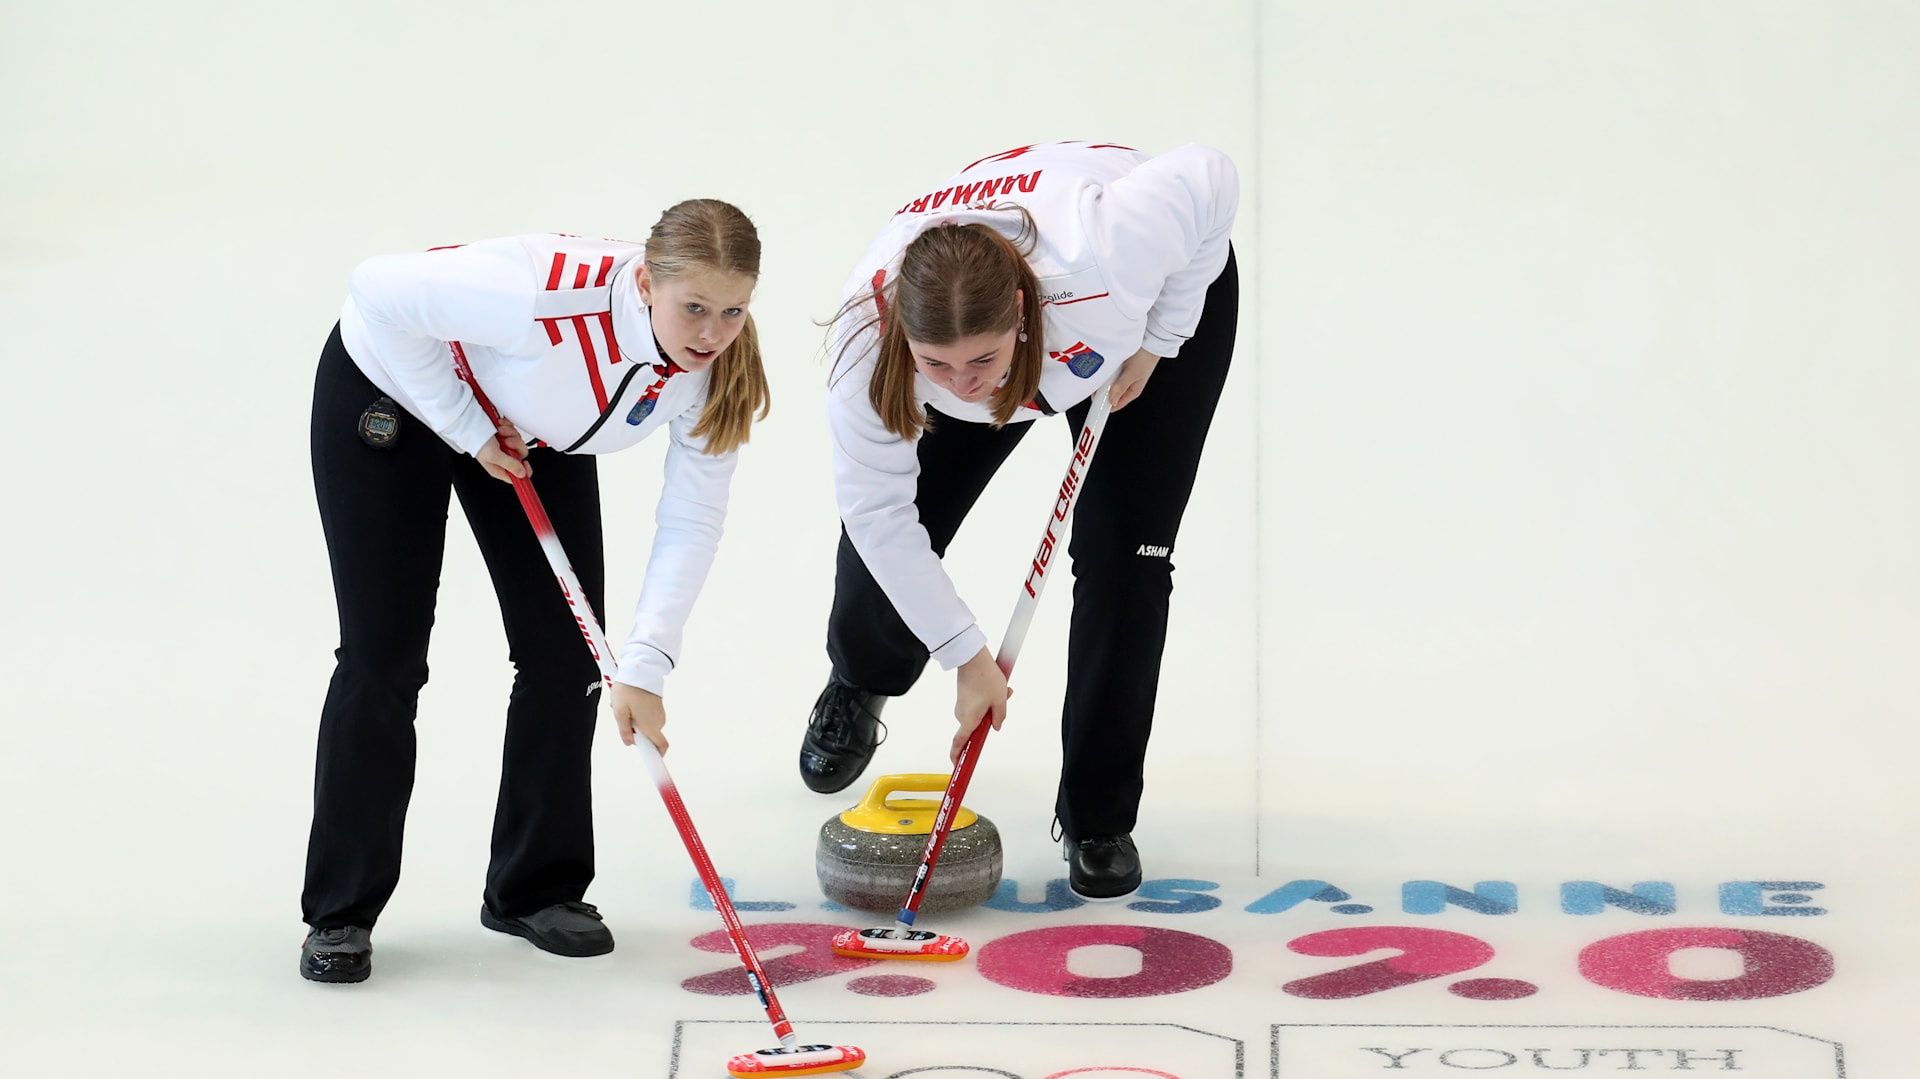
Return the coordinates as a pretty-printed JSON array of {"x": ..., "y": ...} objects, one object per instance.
[
  {"x": 710, "y": 236},
  {"x": 954, "y": 282}
]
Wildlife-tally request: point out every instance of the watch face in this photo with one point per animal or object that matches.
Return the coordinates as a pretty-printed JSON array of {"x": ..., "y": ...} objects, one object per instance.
[{"x": 380, "y": 424}]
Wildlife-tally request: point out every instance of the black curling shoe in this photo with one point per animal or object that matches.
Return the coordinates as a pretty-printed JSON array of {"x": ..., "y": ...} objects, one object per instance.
[
  {"x": 1102, "y": 868},
  {"x": 343, "y": 954},
  {"x": 842, "y": 734},
  {"x": 572, "y": 929}
]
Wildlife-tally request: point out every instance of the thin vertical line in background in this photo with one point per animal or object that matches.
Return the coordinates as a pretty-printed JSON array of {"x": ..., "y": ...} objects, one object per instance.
[{"x": 1259, "y": 582}]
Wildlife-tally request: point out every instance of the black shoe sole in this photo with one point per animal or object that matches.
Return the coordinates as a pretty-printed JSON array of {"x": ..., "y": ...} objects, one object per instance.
[
  {"x": 332, "y": 977},
  {"x": 515, "y": 927},
  {"x": 1102, "y": 898}
]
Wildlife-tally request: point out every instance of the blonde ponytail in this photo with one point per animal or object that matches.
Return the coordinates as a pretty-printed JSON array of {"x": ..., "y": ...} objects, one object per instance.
[{"x": 736, "y": 390}]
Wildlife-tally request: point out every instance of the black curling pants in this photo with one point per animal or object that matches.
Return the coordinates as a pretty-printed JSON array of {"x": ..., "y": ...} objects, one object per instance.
[
  {"x": 384, "y": 512},
  {"x": 1124, "y": 528}
]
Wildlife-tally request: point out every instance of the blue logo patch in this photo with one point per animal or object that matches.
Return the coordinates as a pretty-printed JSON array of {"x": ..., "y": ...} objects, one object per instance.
[
  {"x": 644, "y": 407},
  {"x": 1080, "y": 359}
]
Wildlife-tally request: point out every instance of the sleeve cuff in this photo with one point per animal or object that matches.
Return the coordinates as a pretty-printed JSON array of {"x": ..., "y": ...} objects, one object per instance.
[
  {"x": 1163, "y": 347},
  {"x": 472, "y": 430},
  {"x": 645, "y": 668},
  {"x": 961, "y": 649}
]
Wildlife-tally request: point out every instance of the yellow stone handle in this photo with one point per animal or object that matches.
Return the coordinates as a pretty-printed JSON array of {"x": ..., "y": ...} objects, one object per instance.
[
  {"x": 880, "y": 812},
  {"x": 879, "y": 796}
]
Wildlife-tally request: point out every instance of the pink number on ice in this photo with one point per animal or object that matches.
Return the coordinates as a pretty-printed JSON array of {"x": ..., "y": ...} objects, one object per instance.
[
  {"x": 815, "y": 959},
  {"x": 1424, "y": 954},
  {"x": 1637, "y": 963},
  {"x": 1170, "y": 961}
]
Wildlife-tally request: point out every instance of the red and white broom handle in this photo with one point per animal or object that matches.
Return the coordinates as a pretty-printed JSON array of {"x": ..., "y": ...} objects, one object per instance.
[
  {"x": 596, "y": 641},
  {"x": 1051, "y": 543}
]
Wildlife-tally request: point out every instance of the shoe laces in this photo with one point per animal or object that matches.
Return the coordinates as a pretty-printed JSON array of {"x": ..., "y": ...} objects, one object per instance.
[
  {"x": 833, "y": 717},
  {"x": 582, "y": 907},
  {"x": 1092, "y": 843},
  {"x": 333, "y": 935}
]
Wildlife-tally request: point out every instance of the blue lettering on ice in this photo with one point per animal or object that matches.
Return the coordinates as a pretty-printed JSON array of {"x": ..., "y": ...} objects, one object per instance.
[
  {"x": 701, "y": 899},
  {"x": 1432, "y": 897},
  {"x": 1175, "y": 896},
  {"x": 1751, "y": 898},
  {"x": 1059, "y": 897},
  {"x": 1591, "y": 897},
  {"x": 1295, "y": 892}
]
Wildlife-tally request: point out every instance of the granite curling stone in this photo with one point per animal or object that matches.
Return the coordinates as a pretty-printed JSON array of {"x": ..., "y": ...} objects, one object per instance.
[{"x": 867, "y": 856}]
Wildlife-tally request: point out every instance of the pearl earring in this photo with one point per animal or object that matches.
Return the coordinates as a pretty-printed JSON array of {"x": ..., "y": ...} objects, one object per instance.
[{"x": 1023, "y": 329}]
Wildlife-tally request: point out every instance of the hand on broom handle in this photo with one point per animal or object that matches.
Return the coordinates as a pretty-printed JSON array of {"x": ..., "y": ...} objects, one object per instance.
[
  {"x": 589, "y": 625},
  {"x": 505, "y": 458},
  {"x": 1052, "y": 541},
  {"x": 981, "y": 697}
]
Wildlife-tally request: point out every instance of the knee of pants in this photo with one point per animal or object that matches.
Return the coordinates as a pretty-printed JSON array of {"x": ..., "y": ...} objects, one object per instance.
[
  {"x": 561, "y": 677},
  {"x": 399, "y": 677}
]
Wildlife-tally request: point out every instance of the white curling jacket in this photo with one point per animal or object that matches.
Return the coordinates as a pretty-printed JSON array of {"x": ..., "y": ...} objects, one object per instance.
[
  {"x": 554, "y": 331},
  {"x": 1128, "y": 245}
]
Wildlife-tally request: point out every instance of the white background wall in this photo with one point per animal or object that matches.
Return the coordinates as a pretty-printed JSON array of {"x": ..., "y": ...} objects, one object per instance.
[{"x": 1586, "y": 386}]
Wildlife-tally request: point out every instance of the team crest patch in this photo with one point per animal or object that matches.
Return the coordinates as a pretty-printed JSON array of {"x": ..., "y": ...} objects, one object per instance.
[
  {"x": 1080, "y": 359},
  {"x": 644, "y": 407}
]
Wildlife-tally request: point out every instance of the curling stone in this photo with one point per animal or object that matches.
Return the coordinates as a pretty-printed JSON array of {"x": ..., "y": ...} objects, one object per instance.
[{"x": 867, "y": 856}]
